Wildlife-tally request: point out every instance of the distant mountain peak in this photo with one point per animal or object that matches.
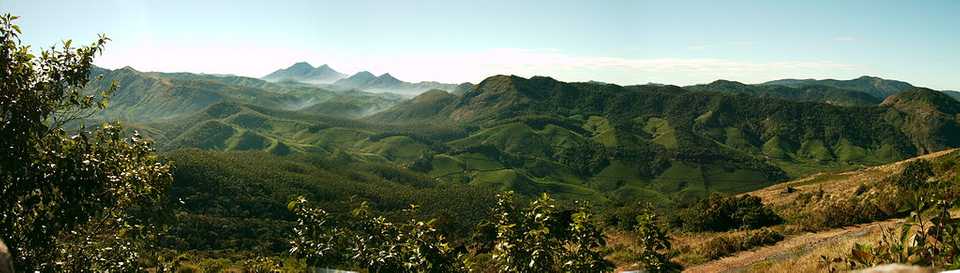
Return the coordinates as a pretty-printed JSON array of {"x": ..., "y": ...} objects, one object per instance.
[
  {"x": 326, "y": 69},
  {"x": 388, "y": 79},
  {"x": 543, "y": 78},
  {"x": 305, "y": 72},
  {"x": 726, "y": 82},
  {"x": 386, "y": 82}
]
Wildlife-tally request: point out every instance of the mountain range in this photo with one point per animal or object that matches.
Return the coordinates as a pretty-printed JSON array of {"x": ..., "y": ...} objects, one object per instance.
[
  {"x": 326, "y": 77},
  {"x": 588, "y": 140}
]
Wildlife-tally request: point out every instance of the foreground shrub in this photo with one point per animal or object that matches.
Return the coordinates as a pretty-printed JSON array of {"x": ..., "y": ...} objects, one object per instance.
[
  {"x": 727, "y": 244},
  {"x": 844, "y": 212},
  {"x": 722, "y": 213}
]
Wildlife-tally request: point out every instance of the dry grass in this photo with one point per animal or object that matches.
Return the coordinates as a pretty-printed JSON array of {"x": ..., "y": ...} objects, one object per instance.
[
  {"x": 800, "y": 252},
  {"x": 837, "y": 184}
]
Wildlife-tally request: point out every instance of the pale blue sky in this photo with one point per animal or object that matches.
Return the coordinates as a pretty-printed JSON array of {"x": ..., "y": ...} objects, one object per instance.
[{"x": 676, "y": 42}]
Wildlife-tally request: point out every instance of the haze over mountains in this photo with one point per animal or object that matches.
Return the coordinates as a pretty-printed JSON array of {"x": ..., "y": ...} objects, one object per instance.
[
  {"x": 841, "y": 92},
  {"x": 363, "y": 80}
]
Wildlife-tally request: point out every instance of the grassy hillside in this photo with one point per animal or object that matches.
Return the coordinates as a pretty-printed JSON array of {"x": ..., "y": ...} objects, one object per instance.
[{"x": 826, "y": 214}]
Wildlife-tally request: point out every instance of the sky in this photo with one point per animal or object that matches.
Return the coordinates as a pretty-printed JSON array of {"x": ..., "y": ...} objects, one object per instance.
[{"x": 624, "y": 42}]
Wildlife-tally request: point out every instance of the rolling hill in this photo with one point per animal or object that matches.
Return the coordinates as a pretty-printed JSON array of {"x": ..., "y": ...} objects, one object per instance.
[
  {"x": 668, "y": 139},
  {"x": 877, "y": 87},
  {"x": 802, "y": 93}
]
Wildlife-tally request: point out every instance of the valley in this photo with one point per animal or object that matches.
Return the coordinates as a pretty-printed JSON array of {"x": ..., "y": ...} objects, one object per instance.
[
  {"x": 598, "y": 142},
  {"x": 249, "y": 146}
]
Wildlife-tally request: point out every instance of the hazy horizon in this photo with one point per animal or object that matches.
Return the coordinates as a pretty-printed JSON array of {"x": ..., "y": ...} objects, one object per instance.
[{"x": 622, "y": 42}]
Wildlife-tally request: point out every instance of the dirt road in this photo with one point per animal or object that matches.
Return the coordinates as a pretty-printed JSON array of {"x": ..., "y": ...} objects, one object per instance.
[{"x": 789, "y": 247}]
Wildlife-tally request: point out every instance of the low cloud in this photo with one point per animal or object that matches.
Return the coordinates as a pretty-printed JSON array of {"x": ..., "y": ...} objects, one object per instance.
[{"x": 455, "y": 67}]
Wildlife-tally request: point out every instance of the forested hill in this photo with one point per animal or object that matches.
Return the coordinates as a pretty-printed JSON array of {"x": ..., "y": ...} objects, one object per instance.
[
  {"x": 875, "y": 86},
  {"x": 698, "y": 127},
  {"x": 802, "y": 93}
]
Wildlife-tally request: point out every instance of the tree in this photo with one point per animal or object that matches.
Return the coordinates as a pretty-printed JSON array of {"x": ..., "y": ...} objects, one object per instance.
[
  {"x": 76, "y": 200},
  {"x": 586, "y": 239},
  {"x": 538, "y": 238},
  {"x": 652, "y": 241}
]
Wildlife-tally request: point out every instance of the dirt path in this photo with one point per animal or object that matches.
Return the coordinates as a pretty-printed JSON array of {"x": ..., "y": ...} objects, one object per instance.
[{"x": 793, "y": 244}]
